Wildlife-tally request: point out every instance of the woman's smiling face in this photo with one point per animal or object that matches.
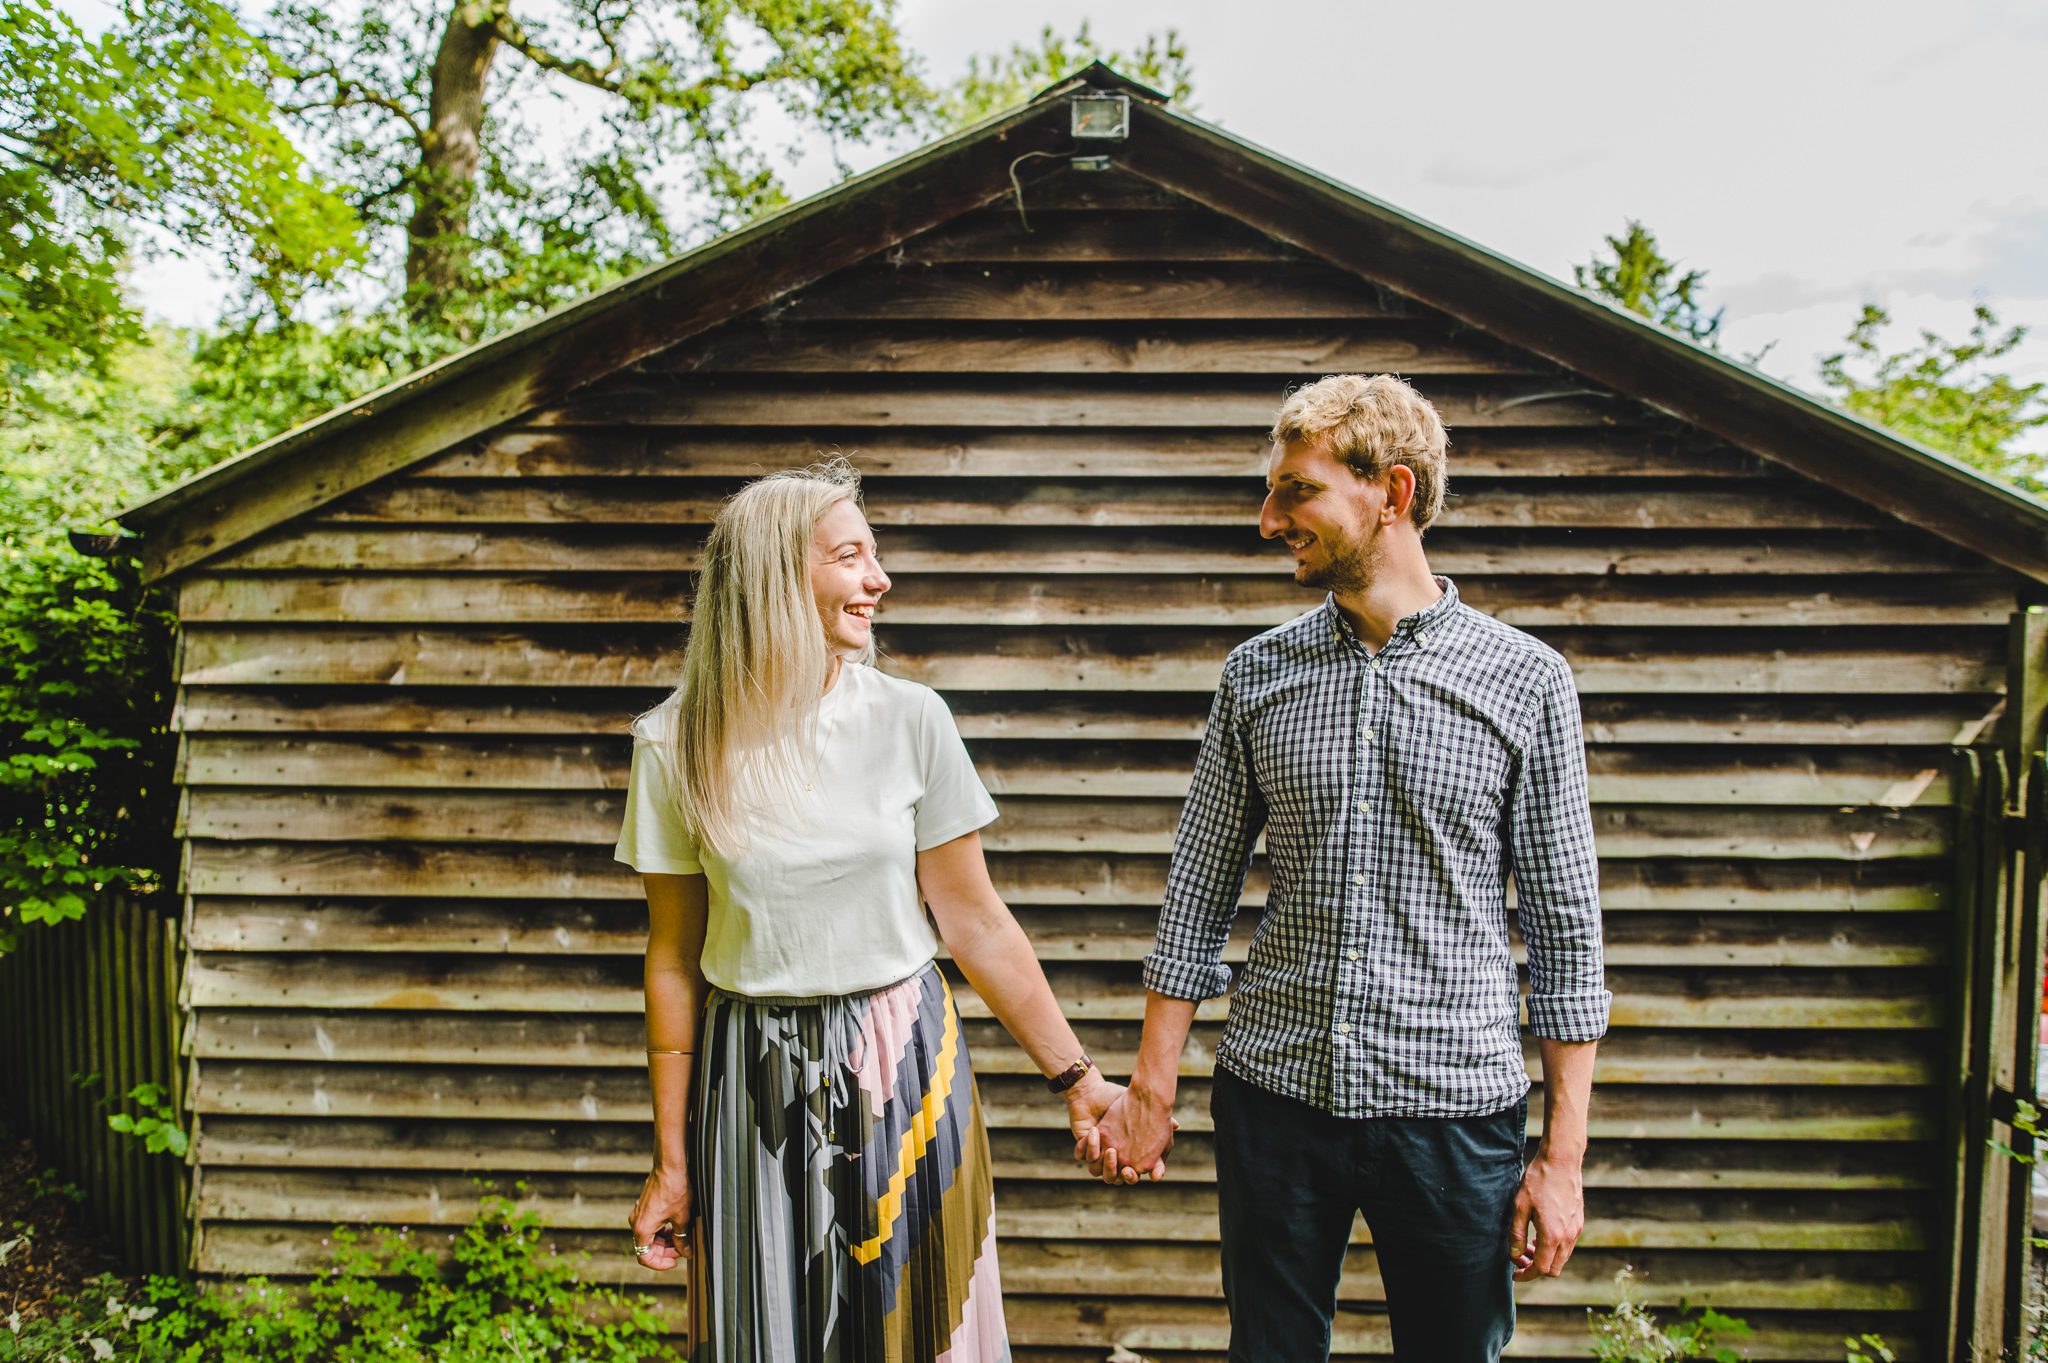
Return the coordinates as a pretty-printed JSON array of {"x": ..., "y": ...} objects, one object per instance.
[{"x": 846, "y": 578}]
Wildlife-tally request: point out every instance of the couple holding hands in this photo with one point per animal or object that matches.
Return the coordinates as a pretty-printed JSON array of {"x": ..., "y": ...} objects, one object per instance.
[{"x": 821, "y": 1159}]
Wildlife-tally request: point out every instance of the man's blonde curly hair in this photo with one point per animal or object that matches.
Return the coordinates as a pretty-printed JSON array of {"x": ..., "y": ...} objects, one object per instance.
[{"x": 1372, "y": 424}]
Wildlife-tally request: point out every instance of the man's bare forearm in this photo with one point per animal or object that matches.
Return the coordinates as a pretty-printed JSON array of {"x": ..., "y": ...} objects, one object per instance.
[
  {"x": 1157, "y": 1073},
  {"x": 1567, "y": 1092}
]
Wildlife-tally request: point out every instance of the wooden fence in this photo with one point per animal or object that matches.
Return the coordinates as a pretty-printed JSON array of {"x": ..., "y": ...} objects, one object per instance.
[{"x": 89, "y": 1010}]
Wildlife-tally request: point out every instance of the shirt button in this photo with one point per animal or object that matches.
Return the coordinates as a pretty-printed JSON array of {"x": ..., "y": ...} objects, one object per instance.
[
  {"x": 1353, "y": 955},
  {"x": 1365, "y": 806},
  {"x": 1358, "y": 880},
  {"x": 1340, "y": 1029},
  {"x": 1369, "y": 735}
]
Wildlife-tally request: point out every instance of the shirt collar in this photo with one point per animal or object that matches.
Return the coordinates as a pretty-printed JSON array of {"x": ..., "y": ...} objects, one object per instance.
[{"x": 1414, "y": 627}]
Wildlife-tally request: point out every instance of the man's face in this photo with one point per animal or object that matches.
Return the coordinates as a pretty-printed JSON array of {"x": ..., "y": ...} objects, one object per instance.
[{"x": 1326, "y": 514}]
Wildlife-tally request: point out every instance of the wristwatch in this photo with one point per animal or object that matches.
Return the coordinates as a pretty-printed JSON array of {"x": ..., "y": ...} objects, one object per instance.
[{"x": 1071, "y": 1075}]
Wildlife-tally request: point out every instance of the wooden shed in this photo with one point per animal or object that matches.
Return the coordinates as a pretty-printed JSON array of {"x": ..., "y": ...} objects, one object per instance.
[{"x": 414, "y": 631}]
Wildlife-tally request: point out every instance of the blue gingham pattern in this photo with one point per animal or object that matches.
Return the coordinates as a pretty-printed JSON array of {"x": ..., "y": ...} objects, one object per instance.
[{"x": 1397, "y": 792}]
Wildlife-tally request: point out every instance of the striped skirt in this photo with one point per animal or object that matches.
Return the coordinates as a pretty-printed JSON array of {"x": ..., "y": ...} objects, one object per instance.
[{"x": 845, "y": 1208}]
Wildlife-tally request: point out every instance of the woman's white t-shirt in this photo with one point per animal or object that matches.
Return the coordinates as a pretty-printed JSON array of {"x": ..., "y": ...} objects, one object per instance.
[{"x": 823, "y": 899}]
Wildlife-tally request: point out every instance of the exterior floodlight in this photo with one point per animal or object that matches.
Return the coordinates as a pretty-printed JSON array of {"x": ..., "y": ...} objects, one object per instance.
[{"x": 1101, "y": 116}]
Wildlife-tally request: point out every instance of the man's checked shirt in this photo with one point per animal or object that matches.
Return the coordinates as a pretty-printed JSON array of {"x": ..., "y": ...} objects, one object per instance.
[{"x": 1396, "y": 791}]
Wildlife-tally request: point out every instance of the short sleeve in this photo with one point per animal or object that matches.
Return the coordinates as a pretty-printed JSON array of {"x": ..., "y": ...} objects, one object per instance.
[
  {"x": 654, "y": 838},
  {"x": 954, "y": 802}
]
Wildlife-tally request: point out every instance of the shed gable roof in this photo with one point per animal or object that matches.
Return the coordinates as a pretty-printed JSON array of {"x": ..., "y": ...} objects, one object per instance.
[{"x": 469, "y": 393}]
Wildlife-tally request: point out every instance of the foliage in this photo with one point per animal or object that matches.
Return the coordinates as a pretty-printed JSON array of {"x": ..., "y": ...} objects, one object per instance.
[
  {"x": 1639, "y": 277},
  {"x": 157, "y": 1128},
  {"x": 496, "y": 1293},
  {"x": 1629, "y": 1333},
  {"x": 1868, "y": 1348},
  {"x": 84, "y": 649},
  {"x": 999, "y": 80},
  {"x": 434, "y": 109},
  {"x": 499, "y": 1295},
  {"x": 1945, "y": 394},
  {"x": 164, "y": 122},
  {"x": 105, "y": 1321}
]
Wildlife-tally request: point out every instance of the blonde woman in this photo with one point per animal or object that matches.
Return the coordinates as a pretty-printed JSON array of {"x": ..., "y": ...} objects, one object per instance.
[{"x": 819, "y": 1152}]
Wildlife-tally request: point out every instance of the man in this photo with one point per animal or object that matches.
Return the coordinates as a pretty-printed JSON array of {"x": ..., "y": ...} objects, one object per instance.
[{"x": 1402, "y": 753}]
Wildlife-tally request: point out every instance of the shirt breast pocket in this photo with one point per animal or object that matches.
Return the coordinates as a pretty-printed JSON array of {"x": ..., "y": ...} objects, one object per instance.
[{"x": 1455, "y": 770}]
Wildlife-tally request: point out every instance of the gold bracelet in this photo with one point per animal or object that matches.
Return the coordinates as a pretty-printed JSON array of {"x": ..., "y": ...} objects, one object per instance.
[{"x": 656, "y": 1050}]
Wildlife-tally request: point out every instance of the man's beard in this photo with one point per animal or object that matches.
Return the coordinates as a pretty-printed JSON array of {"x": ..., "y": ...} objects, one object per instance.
[{"x": 1350, "y": 566}]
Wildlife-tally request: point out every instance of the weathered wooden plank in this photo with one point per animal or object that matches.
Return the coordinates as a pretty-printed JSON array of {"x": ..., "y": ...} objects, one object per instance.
[
  {"x": 1026, "y": 823},
  {"x": 1066, "y": 190},
  {"x": 1694, "y": 721},
  {"x": 1097, "y": 348},
  {"x": 1190, "y": 234},
  {"x": 1062, "y": 401},
  {"x": 1704, "y": 997},
  {"x": 1746, "y": 662},
  {"x": 312, "y": 1141},
  {"x": 1097, "y": 235},
  {"x": 1003, "y": 599},
  {"x": 1163, "y": 1328},
  {"x": 971, "y": 452},
  {"x": 1657, "y": 775},
  {"x": 566, "y": 711},
  {"x": 1627, "y": 1056},
  {"x": 572, "y": 872},
  {"x": 1689, "y": 1112},
  {"x": 1633, "y": 936},
  {"x": 1785, "y": 555},
  {"x": 1169, "y": 1213},
  {"x": 582, "y": 1213},
  {"x": 1099, "y": 503},
  {"x": 1110, "y": 292}
]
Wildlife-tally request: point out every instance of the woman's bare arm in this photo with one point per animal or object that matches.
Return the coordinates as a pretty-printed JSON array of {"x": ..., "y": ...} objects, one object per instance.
[
  {"x": 996, "y": 957},
  {"x": 677, "y": 909}
]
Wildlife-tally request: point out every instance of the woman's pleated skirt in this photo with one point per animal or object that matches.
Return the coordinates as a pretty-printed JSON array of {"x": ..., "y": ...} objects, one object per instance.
[{"x": 845, "y": 1208}]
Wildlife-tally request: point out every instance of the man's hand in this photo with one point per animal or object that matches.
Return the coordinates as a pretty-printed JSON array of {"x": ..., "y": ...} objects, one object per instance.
[
  {"x": 1552, "y": 1202},
  {"x": 1087, "y": 1101},
  {"x": 1133, "y": 1135}
]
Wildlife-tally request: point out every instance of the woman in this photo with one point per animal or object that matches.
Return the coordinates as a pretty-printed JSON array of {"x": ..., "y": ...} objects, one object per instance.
[{"x": 818, "y": 1135}]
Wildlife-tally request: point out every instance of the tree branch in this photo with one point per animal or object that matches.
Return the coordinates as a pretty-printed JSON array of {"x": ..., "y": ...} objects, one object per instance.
[
  {"x": 352, "y": 94},
  {"x": 514, "y": 35}
]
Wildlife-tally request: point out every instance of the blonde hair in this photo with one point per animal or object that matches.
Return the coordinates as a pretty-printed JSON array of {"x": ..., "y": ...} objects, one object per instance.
[
  {"x": 1372, "y": 424},
  {"x": 744, "y": 716}
]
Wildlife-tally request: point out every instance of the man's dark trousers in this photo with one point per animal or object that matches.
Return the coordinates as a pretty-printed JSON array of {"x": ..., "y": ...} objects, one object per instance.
[{"x": 1437, "y": 1193}]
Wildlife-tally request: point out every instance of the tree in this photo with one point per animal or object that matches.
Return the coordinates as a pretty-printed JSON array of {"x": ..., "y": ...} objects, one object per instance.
[
  {"x": 164, "y": 122},
  {"x": 433, "y": 111},
  {"x": 1944, "y": 394},
  {"x": 1639, "y": 277}
]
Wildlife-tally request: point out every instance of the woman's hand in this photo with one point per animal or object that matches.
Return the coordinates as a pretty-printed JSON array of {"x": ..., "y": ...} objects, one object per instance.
[
  {"x": 661, "y": 1220},
  {"x": 1087, "y": 1103}
]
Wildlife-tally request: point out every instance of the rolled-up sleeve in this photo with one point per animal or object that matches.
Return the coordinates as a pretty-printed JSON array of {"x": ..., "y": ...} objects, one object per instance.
[
  {"x": 1212, "y": 849},
  {"x": 1557, "y": 871}
]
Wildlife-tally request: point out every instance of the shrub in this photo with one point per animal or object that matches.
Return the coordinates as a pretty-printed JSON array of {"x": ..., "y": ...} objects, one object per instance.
[
  {"x": 104, "y": 1321},
  {"x": 497, "y": 1298},
  {"x": 1630, "y": 1334}
]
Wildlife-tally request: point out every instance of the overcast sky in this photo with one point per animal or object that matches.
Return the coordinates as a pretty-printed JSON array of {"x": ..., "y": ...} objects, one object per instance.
[{"x": 1808, "y": 155}]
